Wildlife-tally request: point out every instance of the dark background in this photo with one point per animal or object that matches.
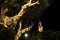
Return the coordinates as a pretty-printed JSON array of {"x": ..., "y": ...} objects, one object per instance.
[{"x": 50, "y": 17}]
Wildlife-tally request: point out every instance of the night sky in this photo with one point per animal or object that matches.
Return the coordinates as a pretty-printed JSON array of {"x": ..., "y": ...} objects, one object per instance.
[{"x": 50, "y": 17}]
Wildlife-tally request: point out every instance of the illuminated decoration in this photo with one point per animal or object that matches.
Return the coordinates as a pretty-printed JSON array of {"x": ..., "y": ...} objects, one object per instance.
[
  {"x": 12, "y": 21},
  {"x": 21, "y": 31},
  {"x": 40, "y": 27}
]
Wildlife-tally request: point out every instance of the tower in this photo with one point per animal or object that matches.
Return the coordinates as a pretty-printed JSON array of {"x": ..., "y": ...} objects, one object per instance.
[{"x": 40, "y": 27}]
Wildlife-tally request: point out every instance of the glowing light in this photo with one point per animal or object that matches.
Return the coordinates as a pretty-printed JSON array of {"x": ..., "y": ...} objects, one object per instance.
[
  {"x": 26, "y": 35},
  {"x": 40, "y": 27},
  {"x": 6, "y": 9},
  {"x": 40, "y": 24}
]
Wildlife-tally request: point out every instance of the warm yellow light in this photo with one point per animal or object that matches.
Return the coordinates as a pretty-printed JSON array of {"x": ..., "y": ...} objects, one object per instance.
[{"x": 40, "y": 28}]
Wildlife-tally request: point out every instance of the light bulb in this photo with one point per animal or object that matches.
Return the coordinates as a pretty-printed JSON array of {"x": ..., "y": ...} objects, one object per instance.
[{"x": 26, "y": 35}]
